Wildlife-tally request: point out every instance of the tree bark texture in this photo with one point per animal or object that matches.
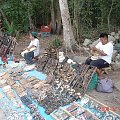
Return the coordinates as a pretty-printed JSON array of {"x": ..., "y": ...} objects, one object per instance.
[
  {"x": 109, "y": 16},
  {"x": 53, "y": 23},
  {"x": 68, "y": 36},
  {"x": 75, "y": 21},
  {"x": 58, "y": 19}
]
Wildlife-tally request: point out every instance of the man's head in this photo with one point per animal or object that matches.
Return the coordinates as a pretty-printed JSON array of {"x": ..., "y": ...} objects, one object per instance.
[
  {"x": 104, "y": 38},
  {"x": 33, "y": 35}
]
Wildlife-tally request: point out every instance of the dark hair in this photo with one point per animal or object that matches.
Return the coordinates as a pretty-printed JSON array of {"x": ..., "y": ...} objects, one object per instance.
[
  {"x": 34, "y": 34},
  {"x": 104, "y": 35}
]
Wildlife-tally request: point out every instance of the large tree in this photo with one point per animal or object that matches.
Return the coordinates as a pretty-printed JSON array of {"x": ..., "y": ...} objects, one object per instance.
[
  {"x": 53, "y": 24},
  {"x": 68, "y": 36},
  {"x": 56, "y": 26}
]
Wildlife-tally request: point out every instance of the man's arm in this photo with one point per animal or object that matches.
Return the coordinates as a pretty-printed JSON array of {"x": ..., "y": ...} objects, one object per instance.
[
  {"x": 101, "y": 52},
  {"x": 28, "y": 48}
]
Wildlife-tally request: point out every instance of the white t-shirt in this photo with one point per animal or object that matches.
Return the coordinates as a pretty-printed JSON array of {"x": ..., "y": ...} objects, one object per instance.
[
  {"x": 108, "y": 49},
  {"x": 36, "y": 43}
]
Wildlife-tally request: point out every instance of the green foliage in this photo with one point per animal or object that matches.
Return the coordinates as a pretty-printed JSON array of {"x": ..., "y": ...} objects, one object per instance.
[
  {"x": 24, "y": 13},
  {"x": 10, "y": 29},
  {"x": 41, "y": 12},
  {"x": 95, "y": 16},
  {"x": 103, "y": 27},
  {"x": 16, "y": 13},
  {"x": 56, "y": 43},
  {"x": 87, "y": 33},
  {"x": 91, "y": 14}
]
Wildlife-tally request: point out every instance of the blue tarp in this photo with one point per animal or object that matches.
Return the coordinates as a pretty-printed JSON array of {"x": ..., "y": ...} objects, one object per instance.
[
  {"x": 38, "y": 75},
  {"x": 42, "y": 76}
]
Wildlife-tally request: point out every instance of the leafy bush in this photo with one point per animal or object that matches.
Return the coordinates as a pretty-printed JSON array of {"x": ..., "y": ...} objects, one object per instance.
[
  {"x": 56, "y": 43},
  {"x": 10, "y": 29}
]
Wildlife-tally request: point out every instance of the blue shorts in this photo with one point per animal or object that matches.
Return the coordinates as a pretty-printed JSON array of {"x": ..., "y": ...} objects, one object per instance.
[{"x": 99, "y": 63}]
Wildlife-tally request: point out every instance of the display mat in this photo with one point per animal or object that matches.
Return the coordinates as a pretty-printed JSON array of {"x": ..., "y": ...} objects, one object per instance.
[
  {"x": 16, "y": 103},
  {"x": 86, "y": 109}
]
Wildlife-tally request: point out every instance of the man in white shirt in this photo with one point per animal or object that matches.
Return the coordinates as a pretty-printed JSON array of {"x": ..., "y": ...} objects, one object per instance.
[
  {"x": 105, "y": 50},
  {"x": 32, "y": 50}
]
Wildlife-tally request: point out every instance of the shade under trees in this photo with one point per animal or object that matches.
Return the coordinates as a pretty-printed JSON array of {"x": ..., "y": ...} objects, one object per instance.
[{"x": 87, "y": 16}]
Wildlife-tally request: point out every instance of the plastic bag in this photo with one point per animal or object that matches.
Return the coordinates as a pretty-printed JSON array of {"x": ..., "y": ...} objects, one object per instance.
[{"x": 105, "y": 85}]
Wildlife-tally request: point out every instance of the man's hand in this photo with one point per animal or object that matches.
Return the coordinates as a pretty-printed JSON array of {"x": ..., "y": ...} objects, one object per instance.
[
  {"x": 28, "y": 49},
  {"x": 101, "y": 52},
  {"x": 94, "y": 49}
]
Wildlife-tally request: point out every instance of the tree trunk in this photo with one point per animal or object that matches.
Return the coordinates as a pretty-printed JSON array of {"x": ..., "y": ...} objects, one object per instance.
[
  {"x": 75, "y": 21},
  {"x": 29, "y": 17},
  {"x": 58, "y": 19},
  {"x": 53, "y": 24},
  {"x": 69, "y": 40},
  {"x": 109, "y": 16}
]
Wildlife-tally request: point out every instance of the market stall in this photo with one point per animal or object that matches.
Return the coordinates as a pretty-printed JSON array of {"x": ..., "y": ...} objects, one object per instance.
[{"x": 27, "y": 94}]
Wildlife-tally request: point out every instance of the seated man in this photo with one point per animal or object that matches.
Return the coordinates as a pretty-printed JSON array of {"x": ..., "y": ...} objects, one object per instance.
[
  {"x": 105, "y": 49},
  {"x": 32, "y": 50}
]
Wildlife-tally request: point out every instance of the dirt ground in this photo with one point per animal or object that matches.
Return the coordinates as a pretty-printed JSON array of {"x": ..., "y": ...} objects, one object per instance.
[{"x": 110, "y": 99}]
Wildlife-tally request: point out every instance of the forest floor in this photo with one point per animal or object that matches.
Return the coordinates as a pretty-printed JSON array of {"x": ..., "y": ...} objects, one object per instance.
[{"x": 110, "y": 99}]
